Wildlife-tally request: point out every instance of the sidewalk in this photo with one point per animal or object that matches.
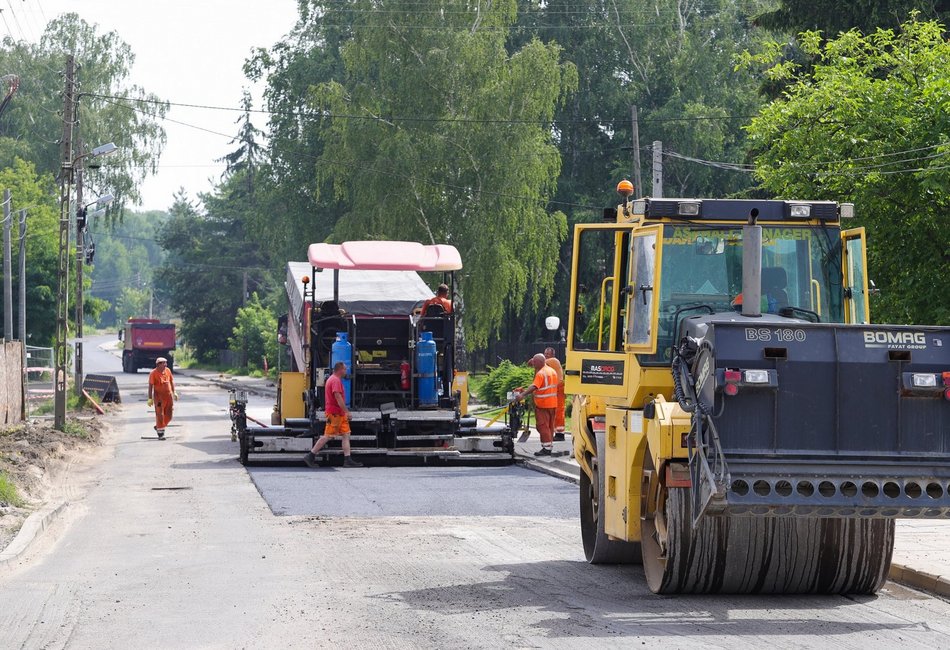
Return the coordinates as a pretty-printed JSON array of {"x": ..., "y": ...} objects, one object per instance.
[{"x": 921, "y": 548}]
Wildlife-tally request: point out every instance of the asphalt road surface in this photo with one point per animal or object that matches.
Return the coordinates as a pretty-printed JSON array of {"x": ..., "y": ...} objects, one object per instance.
[{"x": 171, "y": 545}]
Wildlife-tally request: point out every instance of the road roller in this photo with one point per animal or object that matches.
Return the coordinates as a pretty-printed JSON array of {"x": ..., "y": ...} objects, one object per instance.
[{"x": 740, "y": 424}]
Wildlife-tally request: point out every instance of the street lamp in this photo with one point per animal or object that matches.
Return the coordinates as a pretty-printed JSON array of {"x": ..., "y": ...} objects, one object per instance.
[
  {"x": 68, "y": 168},
  {"x": 82, "y": 220}
]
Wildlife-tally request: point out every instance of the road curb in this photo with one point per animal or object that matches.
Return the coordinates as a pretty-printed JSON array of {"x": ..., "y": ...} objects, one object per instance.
[
  {"x": 32, "y": 528},
  {"x": 229, "y": 384},
  {"x": 932, "y": 584},
  {"x": 551, "y": 469}
]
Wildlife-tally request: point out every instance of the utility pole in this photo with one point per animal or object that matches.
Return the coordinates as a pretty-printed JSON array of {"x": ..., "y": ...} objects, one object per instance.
[
  {"x": 244, "y": 291},
  {"x": 80, "y": 254},
  {"x": 637, "y": 185},
  {"x": 62, "y": 308},
  {"x": 22, "y": 319},
  {"x": 657, "y": 169},
  {"x": 7, "y": 268}
]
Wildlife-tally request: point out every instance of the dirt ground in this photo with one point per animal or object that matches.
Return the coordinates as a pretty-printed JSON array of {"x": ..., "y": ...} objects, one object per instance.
[{"x": 32, "y": 456}]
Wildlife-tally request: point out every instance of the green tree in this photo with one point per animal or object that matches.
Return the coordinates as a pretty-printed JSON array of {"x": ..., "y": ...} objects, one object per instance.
[
  {"x": 211, "y": 251},
  {"x": 674, "y": 61},
  {"x": 867, "y": 124},
  {"x": 131, "y": 303},
  {"x": 36, "y": 194},
  {"x": 289, "y": 205},
  {"x": 255, "y": 334},
  {"x": 126, "y": 255},
  {"x": 198, "y": 279},
  {"x": 456, "y": 131},
  {"x": 832, "y": 16},
  {"x": 111, "y": 109}
]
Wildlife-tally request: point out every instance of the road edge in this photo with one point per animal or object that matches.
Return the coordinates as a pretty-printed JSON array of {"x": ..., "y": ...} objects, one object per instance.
[
  {"x": 32, "y": 528},
  {"x": 934, "y": 585}
]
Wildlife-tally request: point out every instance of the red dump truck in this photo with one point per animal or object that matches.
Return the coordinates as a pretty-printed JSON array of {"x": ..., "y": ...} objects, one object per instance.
[{"x": 146, "y": 339}]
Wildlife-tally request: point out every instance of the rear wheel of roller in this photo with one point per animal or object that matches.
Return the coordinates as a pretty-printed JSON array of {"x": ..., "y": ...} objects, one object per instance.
[
  {"x": 598, "y": 548},
  {"x": 757, "y": 554}
]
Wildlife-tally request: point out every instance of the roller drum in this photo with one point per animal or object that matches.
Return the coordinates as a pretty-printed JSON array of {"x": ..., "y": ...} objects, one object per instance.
[{"x": 765, "y": 555}]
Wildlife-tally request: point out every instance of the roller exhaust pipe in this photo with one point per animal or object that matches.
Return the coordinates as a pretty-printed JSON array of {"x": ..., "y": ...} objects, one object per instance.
[{"x": 752, "y": 267}]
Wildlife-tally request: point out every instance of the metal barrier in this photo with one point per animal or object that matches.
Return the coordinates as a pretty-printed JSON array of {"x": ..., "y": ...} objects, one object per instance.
[{"x": 39, "y": 382}]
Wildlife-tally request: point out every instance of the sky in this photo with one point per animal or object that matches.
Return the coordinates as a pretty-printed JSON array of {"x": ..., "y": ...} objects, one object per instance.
[{"x": 186, "y": 51}]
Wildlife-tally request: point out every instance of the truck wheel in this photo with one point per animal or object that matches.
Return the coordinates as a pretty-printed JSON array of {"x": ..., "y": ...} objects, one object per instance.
[
  {"x": 126, "y": 363},
  {"x": 760, "y": 554},
  {"x": 598, "y": 548}
]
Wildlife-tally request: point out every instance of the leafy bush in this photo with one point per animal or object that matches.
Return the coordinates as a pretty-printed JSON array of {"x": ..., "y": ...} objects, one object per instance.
[
  {"x": 503, "y": 379},
  {"x": 255, "y": 334}
]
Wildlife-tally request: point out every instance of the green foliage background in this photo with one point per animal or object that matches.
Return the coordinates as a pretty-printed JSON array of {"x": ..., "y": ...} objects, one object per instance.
[
  {"x": 866, "y": 122},
  {"x": 494, "y": 127},
  {"x": 503, "y": 379},
  {"x": 255, "y": 335}
]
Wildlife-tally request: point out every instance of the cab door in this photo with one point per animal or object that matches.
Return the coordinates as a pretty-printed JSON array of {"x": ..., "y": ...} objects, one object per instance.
[
  {"x": 597, "y": 363},
  {"x": 854, "y": 271},
  {"x": 642, "y": 291}
]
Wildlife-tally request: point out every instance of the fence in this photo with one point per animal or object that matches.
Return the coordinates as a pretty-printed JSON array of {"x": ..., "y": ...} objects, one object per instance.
[
  {"x": 515, "y": 352},
  {"x": 39, "y": 383}
]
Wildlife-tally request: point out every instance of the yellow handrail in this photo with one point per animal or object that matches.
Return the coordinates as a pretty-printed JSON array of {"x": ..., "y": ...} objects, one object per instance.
[
  {"x": 816, "y": 296},
  {"x": 603, "y": 300}
]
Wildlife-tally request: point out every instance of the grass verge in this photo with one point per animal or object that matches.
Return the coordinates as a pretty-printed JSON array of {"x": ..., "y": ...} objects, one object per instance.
[{"x": 8, "y": 492}]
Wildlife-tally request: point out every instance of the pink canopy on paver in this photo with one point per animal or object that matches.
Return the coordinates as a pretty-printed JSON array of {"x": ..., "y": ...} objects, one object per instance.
[{"x": 385, "y": 256}]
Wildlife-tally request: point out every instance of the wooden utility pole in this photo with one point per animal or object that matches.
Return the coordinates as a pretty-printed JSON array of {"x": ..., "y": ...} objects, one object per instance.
[
  {"x": 657, "y": 169},
  {"x": 22, "y": 319},
  {"x": 7, "y": 267},
  {"x": 635, "y": 127},
  {"x": 80, "y": 254},
  {"x": 62, "y": 303}
]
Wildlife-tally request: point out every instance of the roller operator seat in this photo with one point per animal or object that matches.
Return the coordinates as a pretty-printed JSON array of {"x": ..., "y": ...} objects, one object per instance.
[{"x": 774, "y": 282}]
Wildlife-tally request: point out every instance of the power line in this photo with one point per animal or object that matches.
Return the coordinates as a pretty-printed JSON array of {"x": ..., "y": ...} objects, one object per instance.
[
  {"x": 388, "y": 118},
  {"x": 394, "y": 172}
]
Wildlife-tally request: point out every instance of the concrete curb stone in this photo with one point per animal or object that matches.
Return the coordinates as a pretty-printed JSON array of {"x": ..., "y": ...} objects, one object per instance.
[
  {"x": 31, "y": 529},
  {"x": 932, "y": 584}
]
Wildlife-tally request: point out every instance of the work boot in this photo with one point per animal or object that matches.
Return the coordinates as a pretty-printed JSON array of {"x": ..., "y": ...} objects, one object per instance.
[
  {"x": 310, "y": 460},
  {"x": 349, "y": 462},
  {"x": 559, "y": 436},
  {"x": 544, "y": 451}
]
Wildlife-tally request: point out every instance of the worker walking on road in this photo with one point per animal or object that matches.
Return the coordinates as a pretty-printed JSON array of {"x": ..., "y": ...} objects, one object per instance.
[
  {"x": 555, "y": 363},
  {"x": 338, "y": 418},
  {"x": 544, "y": 390},
  {"x": 161, "y": 393}
]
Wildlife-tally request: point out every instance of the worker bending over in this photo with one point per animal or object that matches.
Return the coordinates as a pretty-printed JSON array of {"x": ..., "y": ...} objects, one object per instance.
[{"x": 544, "y": 390}]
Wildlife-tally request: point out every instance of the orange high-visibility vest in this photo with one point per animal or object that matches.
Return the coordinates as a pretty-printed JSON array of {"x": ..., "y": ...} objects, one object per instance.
[{"x": 545, "y": 394}]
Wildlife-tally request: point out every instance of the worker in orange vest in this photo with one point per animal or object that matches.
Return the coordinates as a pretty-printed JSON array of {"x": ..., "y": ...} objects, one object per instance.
[
  {"x": 441, "y": 297},
  {"x": 544, "y": 389},
  {"x": 553, "y": 361}
]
